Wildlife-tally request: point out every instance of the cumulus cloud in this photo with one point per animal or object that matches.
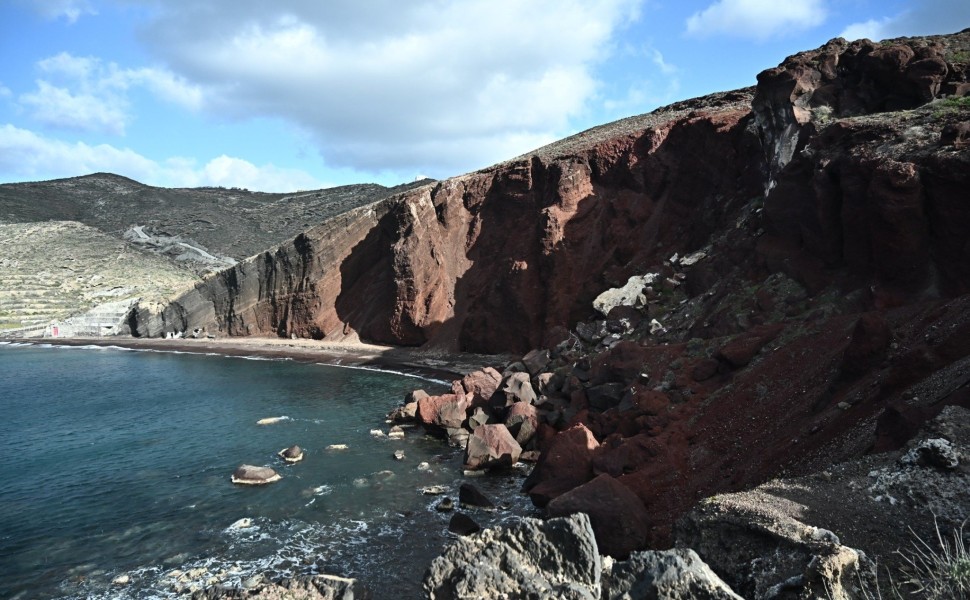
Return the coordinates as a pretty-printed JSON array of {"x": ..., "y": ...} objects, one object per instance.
[
  {"x": 25, "y": 154},
  {"x": 756, "y": 19},
  {"x": 87, "y": 94},
  {"x": 926, "y": 17},
  {"x": 406, "y": 86}
]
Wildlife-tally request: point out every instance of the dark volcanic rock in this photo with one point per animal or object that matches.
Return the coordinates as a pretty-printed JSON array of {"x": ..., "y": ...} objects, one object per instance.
[
  {"x": 462, "y": 524},
  {"x": 666, "y": 575},
  {"x": 557, "y": 558},
  {"x": 469, "y": 495}
]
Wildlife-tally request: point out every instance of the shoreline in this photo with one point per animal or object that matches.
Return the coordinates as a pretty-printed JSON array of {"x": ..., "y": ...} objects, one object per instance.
[{"x": 436, "y": 365}]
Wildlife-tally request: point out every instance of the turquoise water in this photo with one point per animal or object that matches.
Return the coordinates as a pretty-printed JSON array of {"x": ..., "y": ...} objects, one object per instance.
[{"x": 117, "y": 462}]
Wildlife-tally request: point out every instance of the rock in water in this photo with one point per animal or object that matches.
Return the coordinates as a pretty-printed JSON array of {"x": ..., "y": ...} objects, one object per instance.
[
  {"x": 252, "y": 475},
  {"x": 469, "y": 495},
  {"x": 491, "y": 446},
  {"x": 557, "y": 558},
  {"x": 462, "y": 524},
  {"x": 292, "y": 454}
]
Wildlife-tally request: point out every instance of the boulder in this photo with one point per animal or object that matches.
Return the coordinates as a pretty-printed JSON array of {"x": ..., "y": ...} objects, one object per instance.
[
  {"x": 462, "y": 524},
  {"x": 566, "y": 463},
  {"x": 631, "y": 294},
  {"x": 253, "y": 475},
  {"x": 536, "y": 361},
  {"x": 440, "y": 413},
  {"x": 618, "y": 517},
  {"x": 522, "y": 422},
  {"x": 517, "y": 387},
  {"x": 404, "y": 414},
  {"x": 293, "y": 454},
  {"x": 752, "y": 540},
  {"x": 479, "y": 386},
  {"x": 665, "y": 575},
  {"x": 471, "y": 496},
  {"x": 491, "y": 446},
  {"x": 557, "y": 558}
]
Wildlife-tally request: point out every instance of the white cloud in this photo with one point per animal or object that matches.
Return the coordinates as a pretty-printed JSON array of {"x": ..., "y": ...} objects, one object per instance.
[
  {"x": 28, "y": 155},
  {"x": 71, "y": 10},
  {"x": 58, "y": 107},
  {"x": 926, "y": 17},
  {"x": 756, "y": 19},
  {"x": 872, "y": 29},
  {"x": 5, "y": 91},
  {"x": 93, "y": 95},
  {"x": 408, "y": 86}
]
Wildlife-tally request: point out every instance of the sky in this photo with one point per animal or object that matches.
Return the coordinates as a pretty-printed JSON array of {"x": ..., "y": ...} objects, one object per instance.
[{"x": 305, "y": 94}]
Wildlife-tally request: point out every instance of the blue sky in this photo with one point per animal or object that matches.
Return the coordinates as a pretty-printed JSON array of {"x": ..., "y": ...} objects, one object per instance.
[{"x": 302, "y": 94}]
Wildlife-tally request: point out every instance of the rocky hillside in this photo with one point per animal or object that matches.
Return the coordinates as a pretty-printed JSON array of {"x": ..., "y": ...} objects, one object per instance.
[
  {"x": 182, "y": 224},
  {"x": 786, "y": 278},
  {"x": 842, "y": 175},
  {"x": 52, "y": 270}
]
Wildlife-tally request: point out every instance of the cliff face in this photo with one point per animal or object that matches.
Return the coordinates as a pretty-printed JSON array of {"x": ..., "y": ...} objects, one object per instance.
[
  {"x": 854, "y": 190},
  {"x": 501, "y": 259}
]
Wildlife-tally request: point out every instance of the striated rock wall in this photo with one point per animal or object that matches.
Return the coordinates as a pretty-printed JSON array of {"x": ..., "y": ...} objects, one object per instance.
[{"x": 500, "y": 259}]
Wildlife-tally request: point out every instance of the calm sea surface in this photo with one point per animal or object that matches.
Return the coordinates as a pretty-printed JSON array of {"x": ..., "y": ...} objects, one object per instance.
[{"x": 117, "y": 462}]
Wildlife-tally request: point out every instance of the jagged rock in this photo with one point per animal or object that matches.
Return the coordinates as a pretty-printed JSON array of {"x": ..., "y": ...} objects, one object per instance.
[
  {"x": 631, "y": 294},
  {"x": 315, "y": 587},
  {"x": 566, "y": 463},
  {"x": 517, "y": 387},
  {"x": 445, "y": 505},
  {"x": 253, "y": 475},
  {"x": 478, "y": 418},
  {"x": 441, "y": 413},
  {"x": 935, "y": 452},
  {"x": 751, "y": 540},
  {"x": 469, "y": 495},
  {"x": 462, "y": 524},
  {"x": 406, "y": 413},
  {"x": 399, "y": 455},
  {"x": 491, "y": 446},
  {"x": 395, "y": 433},
  {"x": 480, "y": 385},
  {"x": 536, "y": 361},
  {"x": 677, "y": 574},
  {"x": 619, "y": 519},
  {"x": 557, "y": 558},
  {"x": 522, "y": 422}
]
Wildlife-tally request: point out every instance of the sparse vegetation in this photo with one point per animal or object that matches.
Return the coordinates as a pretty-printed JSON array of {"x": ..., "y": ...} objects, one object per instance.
[{"x": 941, "y": 572}]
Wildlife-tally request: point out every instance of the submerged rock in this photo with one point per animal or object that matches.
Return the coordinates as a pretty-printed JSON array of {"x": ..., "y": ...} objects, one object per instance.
[
  {"x": 253, "y": 475},
  {"x": 293, "y": 454}
]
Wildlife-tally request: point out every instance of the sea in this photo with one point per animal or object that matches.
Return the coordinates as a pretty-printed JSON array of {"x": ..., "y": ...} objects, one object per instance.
[{"x": 115, "y": 473}]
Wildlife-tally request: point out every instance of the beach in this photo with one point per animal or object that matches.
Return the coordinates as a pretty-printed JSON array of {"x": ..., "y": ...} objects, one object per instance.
[{"x": 437, "y": 364}]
